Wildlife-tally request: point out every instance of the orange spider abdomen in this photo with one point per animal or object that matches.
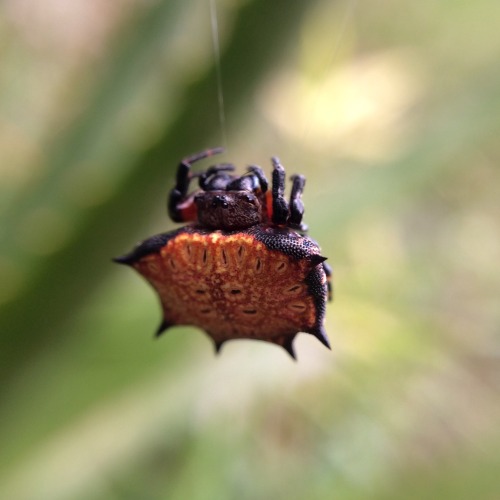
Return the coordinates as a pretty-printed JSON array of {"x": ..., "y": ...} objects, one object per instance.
[{"x": 231, "y": 286}]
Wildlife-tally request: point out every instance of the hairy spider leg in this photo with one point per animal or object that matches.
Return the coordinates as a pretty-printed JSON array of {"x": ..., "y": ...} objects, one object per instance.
[
  {"x": 280, "y": 205},
  {"x": 296, "y": 205},
  {"x": 253, "y": 180},
  {"x": 212, "y": 180},
  {"x": 181, "y": 207},
  {"x": 259, "y": 173},
  {"x": 328, "y": 272}
]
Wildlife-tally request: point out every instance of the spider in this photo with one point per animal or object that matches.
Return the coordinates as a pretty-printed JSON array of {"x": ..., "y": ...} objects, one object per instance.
[{"x": 242, "y": 267}]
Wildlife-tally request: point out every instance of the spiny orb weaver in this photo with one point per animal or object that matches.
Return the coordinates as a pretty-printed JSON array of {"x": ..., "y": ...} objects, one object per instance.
[{"x": 243, "y": 267}]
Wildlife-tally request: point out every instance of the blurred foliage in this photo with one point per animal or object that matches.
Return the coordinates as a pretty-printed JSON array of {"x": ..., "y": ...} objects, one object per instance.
[{"x": 391, "y": 109}]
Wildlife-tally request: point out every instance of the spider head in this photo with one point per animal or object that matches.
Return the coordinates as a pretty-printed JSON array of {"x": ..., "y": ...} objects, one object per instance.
[{"x": 228, "y": 210}]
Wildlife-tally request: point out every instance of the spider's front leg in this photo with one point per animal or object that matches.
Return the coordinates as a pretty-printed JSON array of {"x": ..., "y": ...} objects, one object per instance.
[
  {"x": 212, "y": 179},
  {"x": 253, "y": 180},
  {"x": 280, "y": 205},
  {"x": 181, "y": 207},
  {"x": 296, "y": 205},
  {"x": 260, "y": 176}
]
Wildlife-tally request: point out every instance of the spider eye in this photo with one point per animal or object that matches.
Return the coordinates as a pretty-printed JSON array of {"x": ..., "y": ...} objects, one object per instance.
[
  {"x": 219, "y": 201},
  {"x": 249, "y": 198}
]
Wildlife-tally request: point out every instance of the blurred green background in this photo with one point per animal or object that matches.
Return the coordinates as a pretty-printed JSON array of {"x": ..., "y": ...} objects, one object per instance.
[{"x": 392, "y": 111}]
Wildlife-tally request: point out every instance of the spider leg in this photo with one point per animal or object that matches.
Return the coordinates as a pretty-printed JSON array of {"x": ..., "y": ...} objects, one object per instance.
[
  {"x": 328, "y": 272},
  {"x": 252, "y": 180},
  {"x": 296, "y": 205},
  {"x": 259, "y": 173},
  {"x": 205, "y": 181},
  {"x": 280, "y": 205},
  {"x": 181, "y": 206}
]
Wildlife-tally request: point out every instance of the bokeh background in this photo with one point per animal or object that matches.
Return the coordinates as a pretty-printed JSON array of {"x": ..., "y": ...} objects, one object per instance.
[{"x": 392, "y": 111}]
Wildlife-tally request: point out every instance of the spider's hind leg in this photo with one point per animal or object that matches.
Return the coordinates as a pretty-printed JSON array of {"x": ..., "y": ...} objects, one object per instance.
[{"x": 328, "y": 272}]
